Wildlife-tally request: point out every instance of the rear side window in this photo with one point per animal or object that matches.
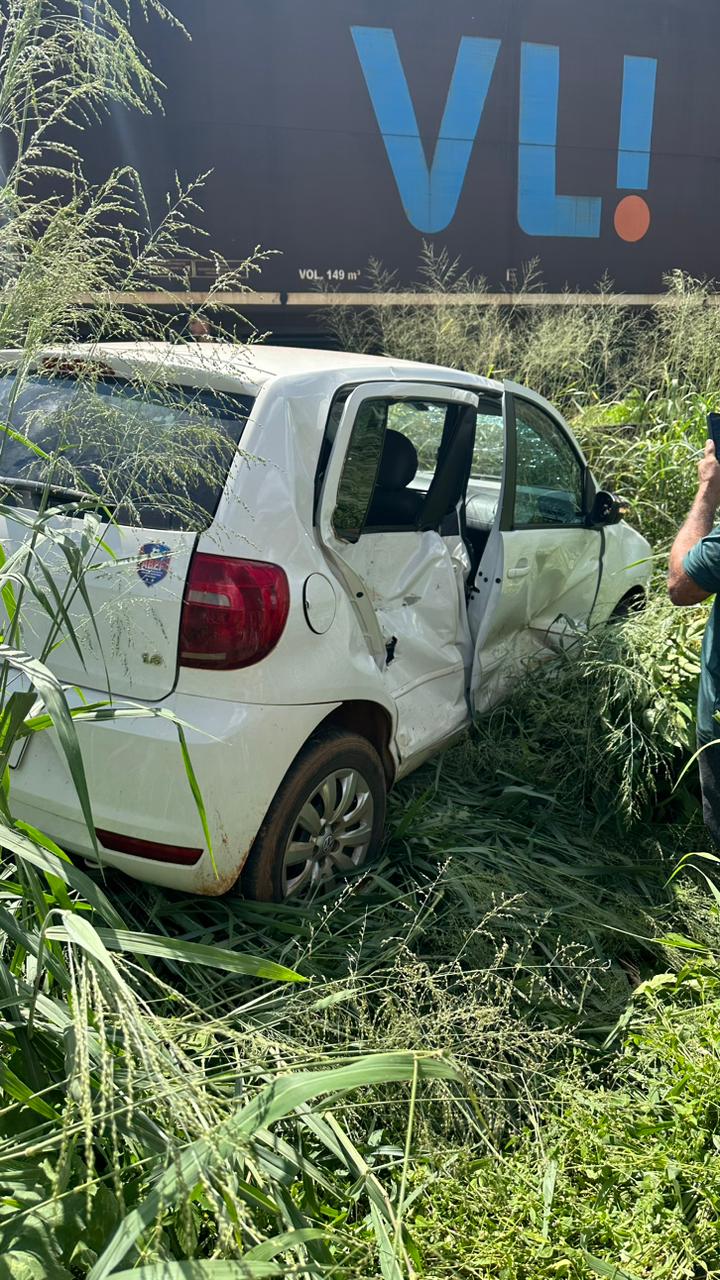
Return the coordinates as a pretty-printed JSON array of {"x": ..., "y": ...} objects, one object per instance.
[
  {"x": 362, "y": 462},
  {"x": 378, "y": 490},
  {"x": 158, "y": 456}
]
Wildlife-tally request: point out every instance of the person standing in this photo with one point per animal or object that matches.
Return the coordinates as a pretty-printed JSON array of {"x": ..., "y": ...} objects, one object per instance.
[{"x": 695, "y": 576}]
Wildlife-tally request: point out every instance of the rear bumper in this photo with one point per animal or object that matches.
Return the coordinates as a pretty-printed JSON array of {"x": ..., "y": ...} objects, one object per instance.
[{"x": 139, "y": 785}]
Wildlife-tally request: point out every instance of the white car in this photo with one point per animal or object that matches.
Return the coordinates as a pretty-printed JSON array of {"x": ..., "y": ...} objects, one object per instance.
[{"x": 386, "y": 551}]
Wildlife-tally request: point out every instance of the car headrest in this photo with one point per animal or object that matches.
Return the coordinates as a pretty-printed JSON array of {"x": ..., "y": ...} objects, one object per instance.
[{"x": 399, "y": 462}]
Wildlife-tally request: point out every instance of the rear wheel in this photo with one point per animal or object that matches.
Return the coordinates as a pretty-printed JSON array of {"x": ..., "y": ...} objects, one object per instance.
[{"x": 326, "y": 820}]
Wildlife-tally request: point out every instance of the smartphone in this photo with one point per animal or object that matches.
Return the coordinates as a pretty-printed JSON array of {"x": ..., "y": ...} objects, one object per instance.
[{"x": 714, "y": 430}]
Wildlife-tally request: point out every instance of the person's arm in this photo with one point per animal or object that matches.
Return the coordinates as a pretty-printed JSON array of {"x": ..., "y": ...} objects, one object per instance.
[{"x": 685, "y": 588}]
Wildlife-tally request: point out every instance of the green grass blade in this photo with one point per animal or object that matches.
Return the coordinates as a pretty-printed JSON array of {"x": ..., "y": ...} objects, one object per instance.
[
  {"x": 27, "y": 443},
  {"x": 679, "y": 942},
  {"x": 12, "y": 721},
  {"x": 52, "y": 693},
  {"x": 269, "y": 1249},
  {"x": 203, "y": 1270},
  {"x": 607, "y": 1269},
  {"x": 29, "y": 941},
  {"x": 196, "y": 793},
  {"x": 389, "y": 1262},
  {"x": 7, "y": 591},
  {"x": 57, "y": 610},
  {"x": 81, "y": 933},
  {"x": 16, "y": 1088},
  {"x": 44, "y": 857},
  {"x": 145, "y": 944}
]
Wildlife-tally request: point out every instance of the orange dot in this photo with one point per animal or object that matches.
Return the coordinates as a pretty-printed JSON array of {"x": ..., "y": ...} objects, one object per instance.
[{"x": 632, "y": 219}]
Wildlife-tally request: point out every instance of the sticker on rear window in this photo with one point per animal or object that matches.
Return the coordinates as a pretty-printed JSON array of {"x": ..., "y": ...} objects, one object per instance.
[{"x": 154, "y": 563}]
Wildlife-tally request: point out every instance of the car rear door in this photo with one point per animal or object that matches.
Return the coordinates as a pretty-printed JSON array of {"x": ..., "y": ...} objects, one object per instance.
[
  {"x": 398, "y": 570},
  {"x": 539, "y": 575}
]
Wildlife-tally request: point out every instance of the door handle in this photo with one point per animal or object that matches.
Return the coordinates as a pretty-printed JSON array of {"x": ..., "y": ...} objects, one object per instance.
[{"x": 521, "y": 570}]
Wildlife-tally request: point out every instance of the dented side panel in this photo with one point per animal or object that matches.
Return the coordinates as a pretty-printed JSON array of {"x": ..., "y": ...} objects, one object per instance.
[{"x": 412, "y": 584}]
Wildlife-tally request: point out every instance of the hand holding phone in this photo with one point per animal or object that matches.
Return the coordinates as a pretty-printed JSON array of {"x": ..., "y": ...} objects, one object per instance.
[
  {"x": 714, "y": 431},
  {"x": 709, "y": 468}
]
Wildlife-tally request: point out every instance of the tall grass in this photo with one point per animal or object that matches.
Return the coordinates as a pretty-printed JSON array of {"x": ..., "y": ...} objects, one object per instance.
[
  {"x": 568, "y": 814},
  {"x": 516, "y": 912},
  {"x": 566, "y": 351},
  {"x": 574, "y": 352}
]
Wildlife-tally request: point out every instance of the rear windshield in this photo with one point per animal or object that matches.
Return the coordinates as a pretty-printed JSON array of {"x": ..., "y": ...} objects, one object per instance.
[{"x": 158, "y": 456}]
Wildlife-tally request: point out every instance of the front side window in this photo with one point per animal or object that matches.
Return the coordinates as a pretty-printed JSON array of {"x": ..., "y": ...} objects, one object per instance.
[{"x": 549, "y": 476}]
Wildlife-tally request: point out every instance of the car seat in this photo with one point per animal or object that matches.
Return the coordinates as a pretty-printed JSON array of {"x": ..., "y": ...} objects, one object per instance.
[{"x": 394, "y": 504}]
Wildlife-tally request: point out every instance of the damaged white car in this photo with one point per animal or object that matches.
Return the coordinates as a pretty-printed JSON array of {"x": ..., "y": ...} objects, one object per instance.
[{"x": 387, "y": 547}]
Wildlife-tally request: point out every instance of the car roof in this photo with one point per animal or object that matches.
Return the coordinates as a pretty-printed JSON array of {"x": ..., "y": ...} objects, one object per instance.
[{"x": 246, "y": 368}]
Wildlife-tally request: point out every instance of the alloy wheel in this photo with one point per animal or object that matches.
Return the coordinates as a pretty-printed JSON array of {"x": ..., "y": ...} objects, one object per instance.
[{"x": 331, "y": 834}]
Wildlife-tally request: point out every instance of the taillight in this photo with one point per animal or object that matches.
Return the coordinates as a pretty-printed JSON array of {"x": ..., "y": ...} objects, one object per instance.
[
  {"x": 150, "y": 849},
  {"x": 234, "y": 612}
]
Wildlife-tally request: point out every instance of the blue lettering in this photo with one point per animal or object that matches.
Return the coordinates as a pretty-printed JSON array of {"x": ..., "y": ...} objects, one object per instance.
[
  {"x": 636, "y": 123},
  {"x": 429, "y": 195},
  {"x": 541, "y": 211}
]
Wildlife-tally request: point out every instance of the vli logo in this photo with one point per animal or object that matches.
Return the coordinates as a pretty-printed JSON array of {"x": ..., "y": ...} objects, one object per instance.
[{"x": 430, "y": 193}]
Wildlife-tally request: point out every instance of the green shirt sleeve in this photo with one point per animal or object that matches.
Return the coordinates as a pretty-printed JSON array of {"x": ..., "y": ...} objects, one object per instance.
[{"x": 702, "y": 563}]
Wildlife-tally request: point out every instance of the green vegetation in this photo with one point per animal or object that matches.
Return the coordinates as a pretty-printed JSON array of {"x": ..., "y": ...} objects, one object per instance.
[
  {"x": 495, "y": 1053},
  {"x": 136, "y": 1124},
  {"x": 566, "y": 830},
  {"x": 523, "y": 923}
]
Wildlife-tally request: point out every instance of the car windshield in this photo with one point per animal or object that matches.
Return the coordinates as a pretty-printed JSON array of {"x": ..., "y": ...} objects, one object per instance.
[{"x": 158, "y": 456}]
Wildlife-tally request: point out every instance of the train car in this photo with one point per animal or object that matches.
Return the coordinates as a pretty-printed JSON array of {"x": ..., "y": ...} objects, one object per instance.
[{"x": 579, "y": 133}]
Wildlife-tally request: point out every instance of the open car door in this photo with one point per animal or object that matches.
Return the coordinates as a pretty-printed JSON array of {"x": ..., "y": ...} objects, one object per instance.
[
  {"x": 398, "y": 469},
  {"x": 537, "y": 580}
]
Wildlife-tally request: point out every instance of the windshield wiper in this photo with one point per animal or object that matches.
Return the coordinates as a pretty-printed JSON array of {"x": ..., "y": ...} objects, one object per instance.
[{"x": 55, "y": 491}]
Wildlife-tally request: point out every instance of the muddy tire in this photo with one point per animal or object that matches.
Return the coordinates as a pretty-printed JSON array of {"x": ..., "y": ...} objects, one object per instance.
[{"x": 325, "y": 822}]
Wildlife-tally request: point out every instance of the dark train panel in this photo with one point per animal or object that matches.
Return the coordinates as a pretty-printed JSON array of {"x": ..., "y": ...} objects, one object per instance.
[{"x": 584, "y": 134}]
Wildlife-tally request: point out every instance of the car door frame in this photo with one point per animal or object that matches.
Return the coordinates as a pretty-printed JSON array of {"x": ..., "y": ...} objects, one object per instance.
[
  {"x": 416, "y": 700},
  {"x": 327, "y": 498},
  {"x": 491, "y": 591}
]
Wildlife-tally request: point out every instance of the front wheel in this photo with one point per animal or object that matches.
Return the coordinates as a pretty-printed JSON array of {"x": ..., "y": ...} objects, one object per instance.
[
  {"x": 630, "y": 606},
  {"x": 326, "y": 820}
]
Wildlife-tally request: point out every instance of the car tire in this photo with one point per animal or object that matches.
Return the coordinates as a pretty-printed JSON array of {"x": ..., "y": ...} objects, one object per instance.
[
  {"x": 331, "y": 806},
  {"x": 630, "y": 606}
]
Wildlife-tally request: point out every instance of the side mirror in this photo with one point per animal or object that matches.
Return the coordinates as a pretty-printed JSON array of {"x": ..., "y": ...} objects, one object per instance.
[{"x": 606, "y": 509}]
